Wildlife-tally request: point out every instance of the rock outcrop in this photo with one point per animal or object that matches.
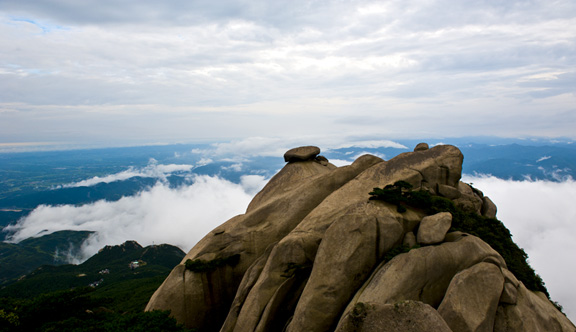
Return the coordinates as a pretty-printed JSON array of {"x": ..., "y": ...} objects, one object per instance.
[{"x": 314, "y": 253}]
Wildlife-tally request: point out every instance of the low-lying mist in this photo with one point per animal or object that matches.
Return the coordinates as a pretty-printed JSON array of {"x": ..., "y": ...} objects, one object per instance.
[
  {"x": 541, "y": 215},
  {"x": 180, "y": 216}
]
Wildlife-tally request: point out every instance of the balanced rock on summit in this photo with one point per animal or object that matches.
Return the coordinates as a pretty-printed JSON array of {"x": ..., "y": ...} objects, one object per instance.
[
  {"x": 319, "y": 249},
  {"x": 302, "y": 153}
]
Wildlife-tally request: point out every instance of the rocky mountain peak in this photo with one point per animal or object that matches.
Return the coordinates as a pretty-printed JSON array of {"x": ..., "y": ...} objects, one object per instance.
[{"x": 396, "y": 245}]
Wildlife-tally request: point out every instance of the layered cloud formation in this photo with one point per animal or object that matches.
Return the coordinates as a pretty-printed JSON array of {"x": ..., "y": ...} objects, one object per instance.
[
  {"x": 179, "y": 216},
  {"x": 179, "y": 70},
  {"x": 153, "y": 170}
]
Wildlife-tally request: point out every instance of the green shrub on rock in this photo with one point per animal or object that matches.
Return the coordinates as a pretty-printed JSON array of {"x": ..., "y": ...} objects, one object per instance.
[
  {"x": 200, "y": 265},
  {"x": 490, "y": 230}
]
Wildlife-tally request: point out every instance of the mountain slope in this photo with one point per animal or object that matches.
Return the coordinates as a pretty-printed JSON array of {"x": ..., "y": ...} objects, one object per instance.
[
  {"x": 21, "y": 258},
  {"x": 126, "y": 274}
]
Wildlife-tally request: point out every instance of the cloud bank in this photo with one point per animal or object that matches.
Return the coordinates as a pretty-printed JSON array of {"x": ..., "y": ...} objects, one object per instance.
[
  {"x": 182, "y": 71},
  {"x": 179, "y": 216},
  {"x": 541, "y": 216},
  {"x": 152, "y": 170}
]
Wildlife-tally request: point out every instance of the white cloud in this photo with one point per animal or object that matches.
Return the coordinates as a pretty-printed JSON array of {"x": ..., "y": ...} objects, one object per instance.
[
  {"x": 543, "y": 158},
  {"x": 341, "y": 162},
  {"x": 558, "y": 174},
  {"x": 252, "y": 184},
  {"x": 180, "y": 216},
  {"x": 237, "y": 167},
  {"x": 203, "y": 161},
  {"x": 359, "y": 154},
  {"x": 541, "y": 216},
  {"x": 152, "y": 170},
  {"x": 253, "y": 146},
  {"x": 184, "y": 71},
  {"x": 374, "y": 144}
]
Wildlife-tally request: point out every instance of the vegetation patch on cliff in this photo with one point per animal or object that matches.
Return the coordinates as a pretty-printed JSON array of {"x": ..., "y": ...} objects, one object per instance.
[
  {"x": 490, "y": 230},
  {"x": 200, "y": 265}
]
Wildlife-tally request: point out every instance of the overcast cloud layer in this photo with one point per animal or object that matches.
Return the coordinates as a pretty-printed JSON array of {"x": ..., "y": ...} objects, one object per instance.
[{"x": 157, "y": 71}]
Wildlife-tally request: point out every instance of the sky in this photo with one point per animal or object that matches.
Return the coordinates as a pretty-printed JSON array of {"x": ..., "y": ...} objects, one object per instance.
[
  {"x": 109, "y": 73},
  {"x": 141, "y": 71}
]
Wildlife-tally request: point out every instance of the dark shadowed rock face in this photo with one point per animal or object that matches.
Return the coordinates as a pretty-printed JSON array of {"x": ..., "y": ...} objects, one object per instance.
[{"x": 313, "y": 253}]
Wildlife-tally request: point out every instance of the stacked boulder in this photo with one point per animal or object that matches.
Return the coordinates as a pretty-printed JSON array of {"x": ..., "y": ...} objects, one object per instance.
[{"x": 309, "y": 254}]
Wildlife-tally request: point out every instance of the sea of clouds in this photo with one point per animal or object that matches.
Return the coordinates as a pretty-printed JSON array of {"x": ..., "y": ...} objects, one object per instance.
[
  {"x": 541, "y": 215},
  {"x": 161, "y": 214}
]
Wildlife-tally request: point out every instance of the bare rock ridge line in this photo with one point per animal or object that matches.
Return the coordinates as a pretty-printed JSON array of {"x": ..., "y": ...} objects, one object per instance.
[{"x": 396, "y": 245}]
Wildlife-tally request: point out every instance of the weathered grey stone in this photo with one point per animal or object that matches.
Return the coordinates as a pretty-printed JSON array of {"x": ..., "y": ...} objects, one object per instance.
[
  {"x": 509, "y": 294},
  {"x": 423, "y": 274},
  {"x": 448, "y": 192},
  {"x": 406, "y": 316},
  {"x": 302, "y": 153},
  {"x": 323, "y": 161},
  {"x": 471, "y": 300},
  {"x": 421, "y": 147},
  {"x": 488, "y": 208},
  {"x": 409, "y": 240},
  {"x": 533, "y": 312},
  {"x": 433, "y": 228},
  {"x": 510, "y": 291},
  {"x": 510, "y": 278},
  {"x": 469, "y": 200},
  {"x": 248, "y": 281},
  {"x": 346, "y": 256},
  {"x": 455, "y": 236}
]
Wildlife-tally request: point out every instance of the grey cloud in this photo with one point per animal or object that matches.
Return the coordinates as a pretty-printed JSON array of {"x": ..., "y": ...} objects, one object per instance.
[
  {"x": 283, "y": 14},
  {"x": 549, "y": 87},
  {"x": 313, "y": 64}
]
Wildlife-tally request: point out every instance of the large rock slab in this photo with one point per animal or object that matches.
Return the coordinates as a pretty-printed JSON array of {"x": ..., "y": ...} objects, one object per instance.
[
  {"x": 296, "y": 254},
  {"x": 533, "y": 312},
  {"x": 489, "y": 209},
  {"x": 421, "y": 147},
  {"x": 347, "y": 254},
  {"x": 433, "y": 228},
  {"x": 424, "y": 274},
  {"x": 472, "y": 297},
  {"x": 406, "y": 316},
  {"x": 469, "y": 199},
  {"x": 302, "y": 153}
]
